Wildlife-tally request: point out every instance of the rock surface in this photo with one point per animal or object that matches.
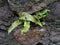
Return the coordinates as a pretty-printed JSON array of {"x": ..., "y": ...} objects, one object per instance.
[
  {"x": 31, "y": 37},
  {"x": 54, "y": 26},
  {"x": 29, "y": 6},
  {"x": 52, "y": 36}
]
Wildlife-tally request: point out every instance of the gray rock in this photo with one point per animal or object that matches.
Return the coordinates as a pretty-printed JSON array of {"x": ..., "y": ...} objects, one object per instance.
[
  {"x": 54, "y": 28},
  {"x": 29, "y": 6}
]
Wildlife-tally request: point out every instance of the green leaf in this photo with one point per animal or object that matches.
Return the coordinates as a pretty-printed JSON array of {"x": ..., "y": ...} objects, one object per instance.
[
  {"x": 26, "y": 16},
  {"x": 38, "y": 22},
  {"x": 42, "y": 13},
  {"x": 14, "y": 25},
  {"x": 43, "y": 23},
  {"x": 26, "y": 27}
]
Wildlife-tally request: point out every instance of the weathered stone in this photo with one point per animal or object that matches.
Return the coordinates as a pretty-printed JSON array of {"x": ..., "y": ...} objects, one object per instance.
[
  {"x": 51, "y": 37},
  {"x": 54, "y": 28},
  {"x": 31, "y": 37},
  {"x": 29, "y": 6}
]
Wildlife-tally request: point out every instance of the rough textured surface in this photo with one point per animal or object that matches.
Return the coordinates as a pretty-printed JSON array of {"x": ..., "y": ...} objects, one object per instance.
[
  {"x": 55, "y": 25},
  {"x": 52, "y": 36},
  {"x": 31, "y": 37},
  {"x": 6, "y": 18},
  {"x": 29, "y": 6},
  {"x": 5, "y": 15}
]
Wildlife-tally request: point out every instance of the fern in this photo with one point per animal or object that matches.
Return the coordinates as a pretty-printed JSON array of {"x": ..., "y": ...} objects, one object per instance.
[{"x": 27, "y": 18}]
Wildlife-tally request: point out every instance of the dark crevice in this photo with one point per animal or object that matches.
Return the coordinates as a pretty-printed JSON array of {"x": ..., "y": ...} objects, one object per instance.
[
  {"x": 39, "y": 43},
  {"x": 15, "y": 13}
]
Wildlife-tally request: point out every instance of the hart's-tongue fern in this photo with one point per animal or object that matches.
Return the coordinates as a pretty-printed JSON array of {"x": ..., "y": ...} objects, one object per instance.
[{"x": 27, "y": 18}]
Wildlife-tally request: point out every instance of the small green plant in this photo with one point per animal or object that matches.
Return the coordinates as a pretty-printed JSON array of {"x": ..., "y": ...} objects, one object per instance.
[{"x": 27, "y": 18}]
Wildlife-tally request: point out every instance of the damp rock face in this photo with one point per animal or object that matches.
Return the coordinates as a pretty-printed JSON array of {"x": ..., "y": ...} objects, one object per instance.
[{"x": 29, "y": 6}]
